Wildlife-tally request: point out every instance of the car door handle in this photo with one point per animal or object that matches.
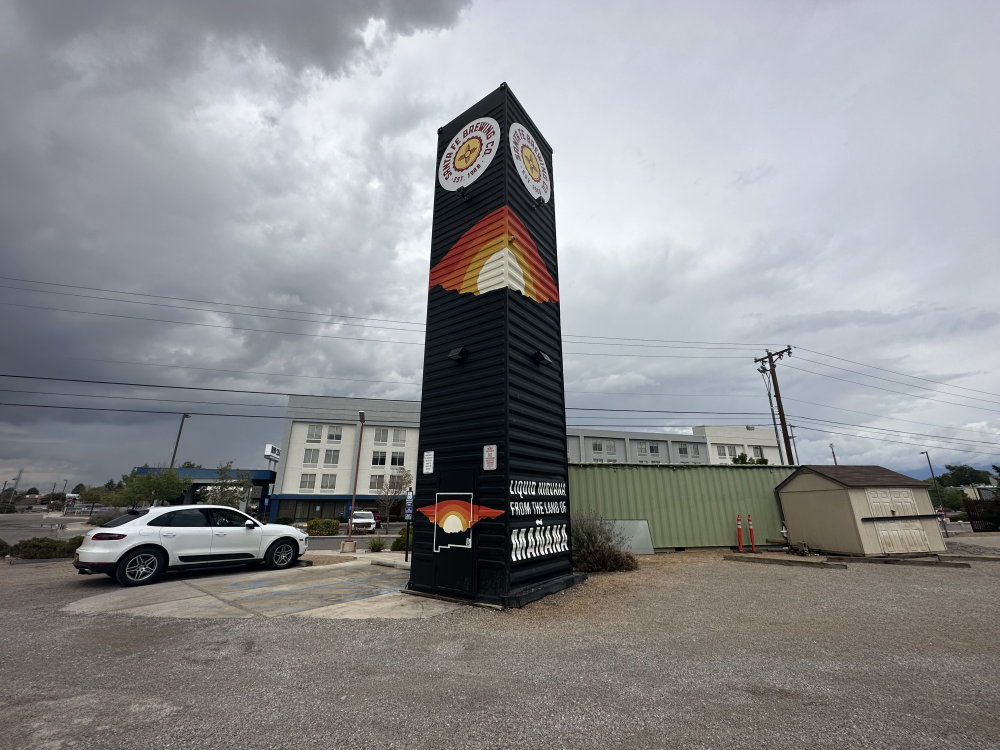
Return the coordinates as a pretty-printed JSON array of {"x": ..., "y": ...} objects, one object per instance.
[
  {"x": 220, "y": 533},
  {"x": 170, "y": 533}
]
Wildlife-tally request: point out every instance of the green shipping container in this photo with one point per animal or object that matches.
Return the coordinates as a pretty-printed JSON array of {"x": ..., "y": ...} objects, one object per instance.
[{"x": 685, "y": 505}]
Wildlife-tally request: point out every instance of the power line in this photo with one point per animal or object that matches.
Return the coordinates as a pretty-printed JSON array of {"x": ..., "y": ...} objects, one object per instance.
[
  {"x": 894, "y": 372},
  {"x": 898, "y": 382},
  {"x": 890, "y": 390},
  {"x": 883, "y": 439},
  {"x": 214, "y": 325},
  {"x": 198, "y": 301},
  {"x": 886, "y": 416}
]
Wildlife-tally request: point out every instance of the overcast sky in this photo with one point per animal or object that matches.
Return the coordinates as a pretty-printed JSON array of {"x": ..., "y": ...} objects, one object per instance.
[{"x": 253, "y": 181}]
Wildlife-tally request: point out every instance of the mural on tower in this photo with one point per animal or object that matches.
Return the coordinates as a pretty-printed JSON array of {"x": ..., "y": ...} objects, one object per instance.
[{"x": 493, "y": 509}]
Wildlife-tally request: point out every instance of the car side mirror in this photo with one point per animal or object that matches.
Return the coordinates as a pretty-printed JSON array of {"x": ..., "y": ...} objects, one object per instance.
[{"x": 250, "y": 524}]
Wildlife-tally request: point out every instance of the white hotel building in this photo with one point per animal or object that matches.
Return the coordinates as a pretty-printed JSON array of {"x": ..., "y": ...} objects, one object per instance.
[{"x": 328, "y": 457}]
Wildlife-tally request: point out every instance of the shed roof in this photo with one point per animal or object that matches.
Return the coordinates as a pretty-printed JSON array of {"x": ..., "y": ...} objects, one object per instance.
[{"x": 858, "y": 476}]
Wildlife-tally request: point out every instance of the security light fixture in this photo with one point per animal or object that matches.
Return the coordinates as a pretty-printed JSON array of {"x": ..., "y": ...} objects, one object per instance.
[
  {"x": 541, "y": 358},
  {"x": 458, "y": 354}
]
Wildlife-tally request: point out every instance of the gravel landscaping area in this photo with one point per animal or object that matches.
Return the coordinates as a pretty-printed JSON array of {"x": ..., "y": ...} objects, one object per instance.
[{"x": 689, "y": 651}]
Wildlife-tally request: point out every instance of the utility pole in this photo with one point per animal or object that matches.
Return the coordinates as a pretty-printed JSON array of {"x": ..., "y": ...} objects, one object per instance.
[
  {"x": 769, "y": 368},
  {"x": 834, "y": 454},
  {"x": 173, "y": 456}
]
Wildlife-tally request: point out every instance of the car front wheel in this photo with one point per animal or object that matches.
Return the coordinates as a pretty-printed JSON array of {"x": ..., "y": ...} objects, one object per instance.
[
  {"x": 280, "y": 555},
  {"x": 139, "y": 567}
]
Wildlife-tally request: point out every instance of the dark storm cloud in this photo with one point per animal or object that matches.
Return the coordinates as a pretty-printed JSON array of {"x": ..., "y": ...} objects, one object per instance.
[{"x": 304, "y": 33}]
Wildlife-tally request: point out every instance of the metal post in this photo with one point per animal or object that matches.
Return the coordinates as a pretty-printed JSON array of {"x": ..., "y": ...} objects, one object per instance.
[
  {"x": 357, "y": 466},
  {"x": 834, "y": 454}
]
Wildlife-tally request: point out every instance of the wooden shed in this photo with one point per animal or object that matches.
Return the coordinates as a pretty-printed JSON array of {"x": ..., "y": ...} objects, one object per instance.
[{"x": 859, "y": 510}]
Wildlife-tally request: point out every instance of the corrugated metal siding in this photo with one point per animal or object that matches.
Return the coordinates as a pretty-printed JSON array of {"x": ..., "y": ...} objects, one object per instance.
[
  {"x": 498, "y": 394},
  {"x": 685, "y": 505}
]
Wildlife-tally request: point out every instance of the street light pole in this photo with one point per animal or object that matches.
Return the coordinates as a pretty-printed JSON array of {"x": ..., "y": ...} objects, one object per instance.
[
  {"x": 926, "y": 455},
  {"x": 357, "y": 466},
  {"x": 944, "y": 523},
  {"x": 173, "y": 456}
]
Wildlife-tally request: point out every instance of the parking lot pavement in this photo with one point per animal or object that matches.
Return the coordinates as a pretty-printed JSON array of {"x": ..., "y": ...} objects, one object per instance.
[
  {"x": 688, "y": 651},
  {"x": 356, "y": 589}
]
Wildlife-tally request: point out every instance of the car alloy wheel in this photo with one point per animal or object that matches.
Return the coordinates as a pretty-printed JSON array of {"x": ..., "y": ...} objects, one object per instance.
[
  {"x": 280, "y": 555},
  {"x": 139, "y": 567}
]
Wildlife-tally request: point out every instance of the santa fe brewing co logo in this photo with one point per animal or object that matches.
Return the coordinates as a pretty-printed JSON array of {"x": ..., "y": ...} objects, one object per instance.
[
  {"x": 529, "y": 162},
  {"x": 468, "y": 154}
]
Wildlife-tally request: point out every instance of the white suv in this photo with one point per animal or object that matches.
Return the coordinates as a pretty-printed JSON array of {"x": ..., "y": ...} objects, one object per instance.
[
  {"x": 362, "y": 521},
  {"x": 137, "y": 547}
]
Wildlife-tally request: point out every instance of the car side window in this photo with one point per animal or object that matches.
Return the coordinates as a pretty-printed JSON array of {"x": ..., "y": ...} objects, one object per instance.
[
  {"x": 188, "y": 518},
  {"x": 227, "y": 518}
]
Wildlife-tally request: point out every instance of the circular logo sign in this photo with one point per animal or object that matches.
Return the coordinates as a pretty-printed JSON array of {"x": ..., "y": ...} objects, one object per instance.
[
  {"x": 529, "y": 162},
  {"x": 469, "y": 153}
]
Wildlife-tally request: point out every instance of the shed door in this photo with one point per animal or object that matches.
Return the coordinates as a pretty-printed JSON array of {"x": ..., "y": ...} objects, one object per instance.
[{"x": 897, "y": 536}]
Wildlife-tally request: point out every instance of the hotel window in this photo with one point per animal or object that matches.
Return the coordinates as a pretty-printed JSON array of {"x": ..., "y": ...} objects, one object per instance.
[
  {"x": 642, "y": 447},
  {"x": 307, "y": 482},
  {"x": 610, "y": 448},
  {"x": 331, "y": 458},
  {"x": 654, "y": 453},
  {"x": 328, "y": 482},
  {"x": 758, "y": 452},
  {"x": 334, "y": 433},
  {"x": 315, "y": 433},
  {"x": 399, "y": 436},
  {"x": 695, "y": 450},
  {"x": 682, "y": 450},
  {"x": 397, "y": 458},
  {"x": 724, "y": 450},
  {"x": 597, "y": 446},
  {"x": 381, "y": 435},
  {"x": 310, "y": 457},
  {"x": 378, "y": 458},
  {"x": 376, "y": 482}
]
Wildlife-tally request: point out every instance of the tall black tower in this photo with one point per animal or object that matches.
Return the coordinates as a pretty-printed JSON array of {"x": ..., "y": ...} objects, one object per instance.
[{"x": 492, "y": 518}]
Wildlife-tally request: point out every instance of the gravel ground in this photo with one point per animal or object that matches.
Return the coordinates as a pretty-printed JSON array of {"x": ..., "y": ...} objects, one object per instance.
[{"x": 688, "y": 651}]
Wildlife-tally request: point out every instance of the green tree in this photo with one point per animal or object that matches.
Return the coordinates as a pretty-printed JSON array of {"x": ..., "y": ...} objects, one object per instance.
[
  {"x": 232, "y": 488},
  {"x": 963, "y": 476},
  {"x": 80, "y": 489},
  {"x": 161, "y": 487},
  {"x": 192, "y": 465},
  {"x": 948, "y": 498},
  {"x": 32, "y": 491},
  {"x": 93, "y": 495},
  {"x": 743, "y": 458},
  {"x": 393, "y": 490}
]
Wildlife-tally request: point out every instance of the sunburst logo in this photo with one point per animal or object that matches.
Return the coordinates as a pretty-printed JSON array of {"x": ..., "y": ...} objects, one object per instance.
[
  {"x": 496, "y": 252},
  {"x": 456, "y": 515},
  {"x": 469, "y": 153},
  {"x": 453, "y": 515},
  {"x": 529, "y": 162}
]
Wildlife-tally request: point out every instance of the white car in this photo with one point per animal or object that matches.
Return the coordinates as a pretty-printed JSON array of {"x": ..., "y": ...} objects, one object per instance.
[
  {"x": 363, "y": 520},
  {"x": 137, "y": 547}
]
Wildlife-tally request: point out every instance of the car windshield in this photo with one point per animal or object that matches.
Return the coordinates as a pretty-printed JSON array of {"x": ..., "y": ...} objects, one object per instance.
[{"x": 130, "y": 516}]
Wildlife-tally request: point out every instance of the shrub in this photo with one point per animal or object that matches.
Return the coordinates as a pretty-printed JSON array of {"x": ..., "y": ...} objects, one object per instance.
[
  {"x": 376, "y": 544},
  {"x": 323, "y": 527},
  {"x": 4, "y": 548},
  {"x": 285, "y": 520},
  {"x": 598, "y": 547},
  {"x": 400, "y": 542},
  {"x": 45, "y": 548}
]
